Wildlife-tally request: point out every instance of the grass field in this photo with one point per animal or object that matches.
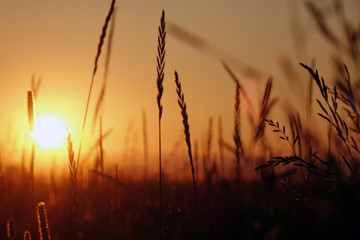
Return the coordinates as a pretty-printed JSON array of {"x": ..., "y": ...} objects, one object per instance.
[{"x": 293, "y": 175}]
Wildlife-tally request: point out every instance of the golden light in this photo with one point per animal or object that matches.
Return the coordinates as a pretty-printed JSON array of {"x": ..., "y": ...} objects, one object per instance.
[{"x": 49, "y": 132}]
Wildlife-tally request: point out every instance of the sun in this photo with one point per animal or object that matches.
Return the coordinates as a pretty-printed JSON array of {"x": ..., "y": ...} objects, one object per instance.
[{"x": 49, "y": 132}]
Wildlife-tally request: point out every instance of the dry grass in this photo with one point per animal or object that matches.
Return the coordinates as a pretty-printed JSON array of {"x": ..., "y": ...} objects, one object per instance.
[
  {"x": 31, "y": 122},
  {"x": 31, "y": 109},
  {"x": 312, "y": 193},
  {"x": 182, "y": 104},
  {"x": 43, "y": 226},
  {"x": 73, "y": 176},
  {"x": 159, "y": 82},
  {"x": 99, "y": 109},
  {"x": 101, "y": 42},
  {"x": 145, "y": 143}
]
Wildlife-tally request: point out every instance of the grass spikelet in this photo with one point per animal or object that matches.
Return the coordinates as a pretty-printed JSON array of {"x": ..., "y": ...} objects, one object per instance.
[
  {"x": 160, "y": 59},
  {"x": 10, "y": 229},
  {"x": 31, "y": 109},
  {"x": 237, "y": 136},
  {"x": 330, "y": 112},
  {"x": 101, "y": 42},
  {"x": 27, "y": 235},
  {"x": 43, "y": 226},
  {"x": 182, "y": 104},
  {"x": 265, "y": 107},
  {"x": 161, "y": 62},
  {"x": 72, "y": 165}
]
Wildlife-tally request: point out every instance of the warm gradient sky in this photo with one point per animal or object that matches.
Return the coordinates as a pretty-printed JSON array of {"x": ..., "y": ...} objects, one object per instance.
[{"x": 57, "y": 41}]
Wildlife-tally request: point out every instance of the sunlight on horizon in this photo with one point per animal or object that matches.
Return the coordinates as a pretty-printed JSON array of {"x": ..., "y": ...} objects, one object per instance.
[{"x": 49, "y": 132}]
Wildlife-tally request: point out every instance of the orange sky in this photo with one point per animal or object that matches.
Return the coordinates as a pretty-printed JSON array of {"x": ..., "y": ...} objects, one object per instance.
[{"x": 57, "y": 41}]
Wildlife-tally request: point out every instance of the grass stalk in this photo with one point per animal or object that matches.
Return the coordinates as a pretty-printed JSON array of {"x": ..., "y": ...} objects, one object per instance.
[
  {"x": 221, "y": 145},
  {"x": 73, "y": 176},
  {"x": 101, "y": 149},
  {"x": 145, "y": 142},
  {"x": 237, "y": 136},
  {"x": 101, "y": 43},
  {"x": 182, "y": 104},
  {"x": 160, "y": 78},
  {"x": 99, "y": 109},
  {"x": 31, "y": 122}
]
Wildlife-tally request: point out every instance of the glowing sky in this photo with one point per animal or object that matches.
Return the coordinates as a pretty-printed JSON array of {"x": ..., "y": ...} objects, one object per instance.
[{"x": 57, "y": 41}]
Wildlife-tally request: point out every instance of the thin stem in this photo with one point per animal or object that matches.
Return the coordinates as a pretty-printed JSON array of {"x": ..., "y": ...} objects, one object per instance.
[{"x": 160, "y": 185}]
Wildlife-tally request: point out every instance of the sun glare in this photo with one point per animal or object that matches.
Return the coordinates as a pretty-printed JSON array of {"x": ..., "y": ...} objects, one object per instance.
[{"x": 49, "y": 132}]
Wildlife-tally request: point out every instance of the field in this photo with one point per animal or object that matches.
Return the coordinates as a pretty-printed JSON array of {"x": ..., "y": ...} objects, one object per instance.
[{"x": 286, "y": 172}]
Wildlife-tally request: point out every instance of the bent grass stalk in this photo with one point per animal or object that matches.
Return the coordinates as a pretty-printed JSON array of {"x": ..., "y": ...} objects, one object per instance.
[
  {"x": 99, "y": 109},
  {"x": 182, "y": 104},
  {"x": 101, "y": 42}
]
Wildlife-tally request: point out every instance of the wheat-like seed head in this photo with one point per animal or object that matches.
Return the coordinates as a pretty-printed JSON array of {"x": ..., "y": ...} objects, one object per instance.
[
  {"x": 43, "y": 226},
  {"x": 182, "y": 104},
  {"x": 161, "y": 61},
  {"x": 237, "y": 125},
  {"x": 31, "y": 109},
  {"x": 103, "y": 35}
]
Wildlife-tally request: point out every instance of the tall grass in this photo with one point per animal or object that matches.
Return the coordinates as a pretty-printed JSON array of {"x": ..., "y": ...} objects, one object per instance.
[
  {"x": 99, "y": 108},
  {"x": 238, "y": 150},
  {"x": 73, "y": 176},
  {"x": 221, "y": 145},
  {"x": 31, "y": 121},
  {"x": 182, "y": 105},
  {"x": 101, "y": 42},
  {"x": 145, "y": 143},
  {"x": 294, "y": 207},
  {"x": 159, "y": 82},
  {"x": 237, "y": 127},
  {"x": 101, "y": 147}
]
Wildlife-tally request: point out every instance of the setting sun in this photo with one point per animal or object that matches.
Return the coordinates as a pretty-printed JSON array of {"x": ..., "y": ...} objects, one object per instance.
[{"x": 49, "y": 132}]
